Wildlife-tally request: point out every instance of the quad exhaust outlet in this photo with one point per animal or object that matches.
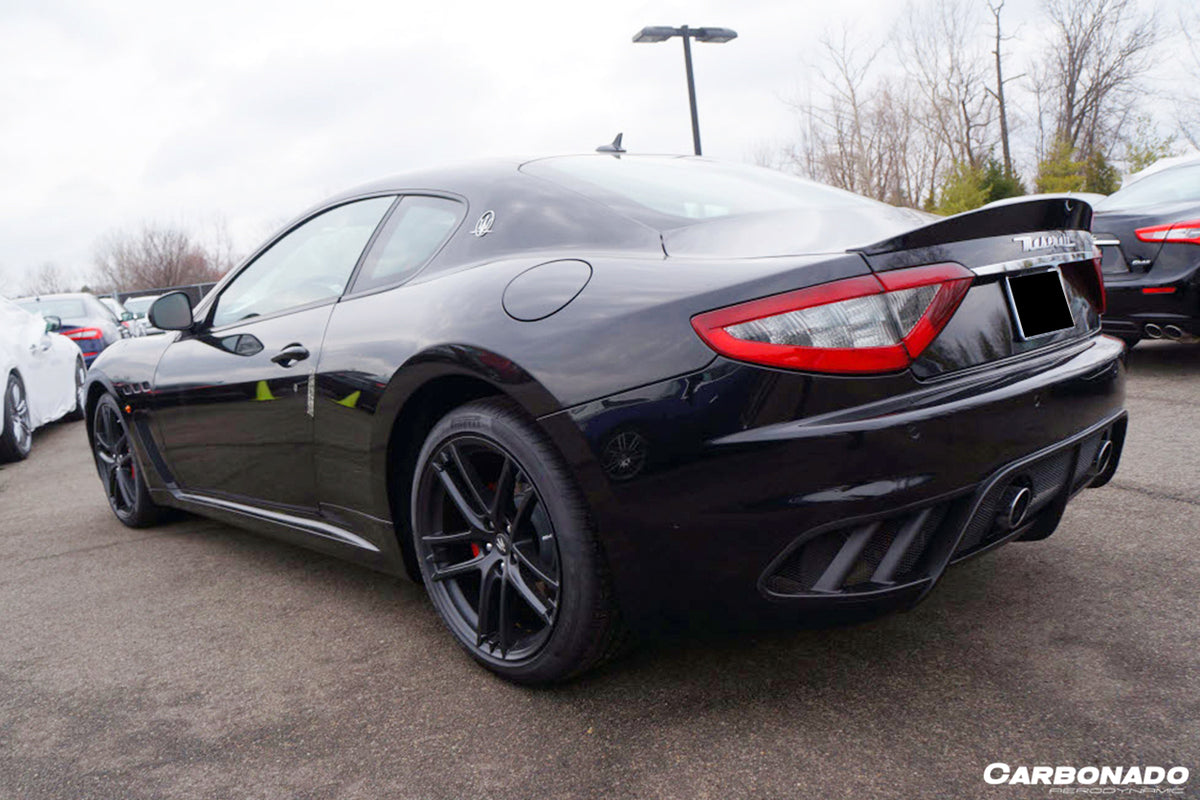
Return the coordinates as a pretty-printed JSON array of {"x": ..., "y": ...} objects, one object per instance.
[
  {"x": 1153, "y": 331},
  {"x": 1173, "y": 332},
  {"x": 1014, "y": 505},
  {"x": 1103, "y": 457}
]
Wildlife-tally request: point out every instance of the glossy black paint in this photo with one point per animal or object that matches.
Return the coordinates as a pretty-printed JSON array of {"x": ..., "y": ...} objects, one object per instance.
[
  {"x": 1132, "y": 266},
  {"x": 740, "y": 459}
]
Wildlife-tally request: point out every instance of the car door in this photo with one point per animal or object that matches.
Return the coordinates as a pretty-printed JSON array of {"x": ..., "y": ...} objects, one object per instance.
[
  {"x": 31, "y": 347},
  {"x": 234, "y": 398}
]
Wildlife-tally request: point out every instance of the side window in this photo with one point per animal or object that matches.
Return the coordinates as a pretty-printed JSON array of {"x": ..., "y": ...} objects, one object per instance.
[
  {"x": 410, "y": 237},
  {"x": 311, "y": 263}
]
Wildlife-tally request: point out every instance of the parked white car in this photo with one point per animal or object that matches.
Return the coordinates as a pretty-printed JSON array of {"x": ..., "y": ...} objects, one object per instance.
[{"x": 41, "y": 374}]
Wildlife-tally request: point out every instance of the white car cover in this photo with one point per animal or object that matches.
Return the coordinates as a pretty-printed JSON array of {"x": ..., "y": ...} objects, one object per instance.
[{"x": 45, "y": 361}]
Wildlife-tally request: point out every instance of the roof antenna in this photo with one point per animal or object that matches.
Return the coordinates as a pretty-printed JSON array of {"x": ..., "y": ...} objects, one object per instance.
[{"x": 615, "y": 147}]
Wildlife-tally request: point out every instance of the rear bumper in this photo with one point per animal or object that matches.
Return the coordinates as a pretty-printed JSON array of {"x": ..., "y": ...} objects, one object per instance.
[
  {"x": 1134, "y": 302},
  {"x": 723, "y": 504}
]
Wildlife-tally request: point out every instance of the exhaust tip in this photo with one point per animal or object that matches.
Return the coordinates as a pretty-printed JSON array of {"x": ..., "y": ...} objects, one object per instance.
[
  {"x": 1014, "y": 505},
  {"x": 1153, "y": 331},
  {"x": 1103, "y": 457},
  {"x": 1173, "y": 332}
]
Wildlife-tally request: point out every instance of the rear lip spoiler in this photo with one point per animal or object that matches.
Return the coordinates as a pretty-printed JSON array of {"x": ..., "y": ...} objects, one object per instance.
[{"x": 1044, "y": 214}]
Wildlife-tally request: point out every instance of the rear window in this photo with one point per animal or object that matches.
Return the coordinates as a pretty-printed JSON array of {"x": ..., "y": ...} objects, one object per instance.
[
  {"x": 63, "y": 308},
  {"x": 690, "y": 188},
  {"x": 1178, "y": 185}
]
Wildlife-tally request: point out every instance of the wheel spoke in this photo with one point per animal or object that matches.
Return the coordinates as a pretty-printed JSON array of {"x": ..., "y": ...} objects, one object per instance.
[
  {"x": 467, "y": 470},
  {"x": 124, "y": 485},
  {"x": 529, "y": 564},
  {"x": 539, "y": 606},
  {"x": 524, "y": 507},
  {"x": 461, "y": 568},
  {"x": 104, "y": 430},
  {"x": 502, "y": 632},
  {"x": 111, "y": 484},
  {"x": 451, "y": 538},
  {"x": 492, "y": 582},
  {"x": 504, "y": 490},
  {"x": 468, "y": 513}
]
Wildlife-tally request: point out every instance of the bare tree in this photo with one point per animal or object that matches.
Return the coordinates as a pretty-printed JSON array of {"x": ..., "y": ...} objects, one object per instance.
[
  {"x": 46, "y": 279},
  {"x": 156, "y": 257},
  {"x": 998, "y": 93},
  {"x": 1189, "y": 116},
  {"x": 941, "y": 52},
  {"x": 860, "y": 131},
  {"x": 1096, "y": 55}
]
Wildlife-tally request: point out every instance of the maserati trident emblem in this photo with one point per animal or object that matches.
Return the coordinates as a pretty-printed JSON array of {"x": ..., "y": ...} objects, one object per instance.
[
  {"x": 1044, "y": 241},
  {"x": 484, "y": 226}
]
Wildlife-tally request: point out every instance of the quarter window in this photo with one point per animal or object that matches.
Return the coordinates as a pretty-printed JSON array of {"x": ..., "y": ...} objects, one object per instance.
[
  {"x": 410, "y": 237},
  {"x": 309, "y": 264}
]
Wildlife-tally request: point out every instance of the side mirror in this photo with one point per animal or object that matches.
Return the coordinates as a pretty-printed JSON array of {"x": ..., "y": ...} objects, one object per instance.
[
  {"x": 127, "y": 316},
  {"x": 53, "y": 323},
  {"x": 171, "y": 312}
]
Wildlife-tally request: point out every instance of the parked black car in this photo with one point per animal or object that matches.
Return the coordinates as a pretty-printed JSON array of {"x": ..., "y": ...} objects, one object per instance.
[
  {"x": 1149, "y": 234},
  {"x": 91, "y": 324},
  {"x": 578, "y": 394}
]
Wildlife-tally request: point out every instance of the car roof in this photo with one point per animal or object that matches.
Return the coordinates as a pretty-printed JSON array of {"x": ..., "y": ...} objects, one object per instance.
[{"x": 57, "y": 296}]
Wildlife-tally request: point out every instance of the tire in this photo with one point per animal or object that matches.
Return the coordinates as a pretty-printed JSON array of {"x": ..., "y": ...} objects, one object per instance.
[
  {"x": 77, "y": 413},
  {"x": 17, "y": 439},
  {"x": 120, "y": 476},
  {"x": 506, "y": 548},
  {"x": 1130, "y": 341}
]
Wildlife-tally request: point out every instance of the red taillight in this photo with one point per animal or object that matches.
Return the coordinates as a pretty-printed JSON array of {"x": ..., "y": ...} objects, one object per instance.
[
  {"x": 84, "y": 333},
  {"x": 872, "y": 323},
  {"x": 1186, "y": 232}
]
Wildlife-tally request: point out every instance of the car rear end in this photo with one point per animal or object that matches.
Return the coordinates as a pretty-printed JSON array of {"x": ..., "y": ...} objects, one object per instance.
[
  {"x": 1152, "y": 271},
  {"x": 1149, "y": 235},
  {"x": 899, "y": 408}
]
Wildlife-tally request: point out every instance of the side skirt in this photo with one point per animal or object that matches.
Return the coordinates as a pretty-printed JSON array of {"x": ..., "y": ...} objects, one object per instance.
[{"x": 305, "y": 532}]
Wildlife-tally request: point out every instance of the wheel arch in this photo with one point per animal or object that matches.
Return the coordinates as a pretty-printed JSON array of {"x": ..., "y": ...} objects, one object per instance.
[
  {"x": 420, "y": 393},
  {"x": 97, "y": 386},
  {"x": 8, "y": 373}
]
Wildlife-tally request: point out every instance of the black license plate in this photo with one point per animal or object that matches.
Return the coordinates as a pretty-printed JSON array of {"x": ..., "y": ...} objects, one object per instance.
[{"x": 1040, "y": 303}]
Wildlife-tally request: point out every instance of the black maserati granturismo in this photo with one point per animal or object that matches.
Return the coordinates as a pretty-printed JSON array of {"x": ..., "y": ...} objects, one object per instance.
[
  {"x": 1149, "y": 234},
  {"x": 579, "y": 396}
]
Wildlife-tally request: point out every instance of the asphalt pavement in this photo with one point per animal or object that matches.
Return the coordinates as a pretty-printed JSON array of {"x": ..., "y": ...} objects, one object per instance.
[{"x": 197, "y": 660}]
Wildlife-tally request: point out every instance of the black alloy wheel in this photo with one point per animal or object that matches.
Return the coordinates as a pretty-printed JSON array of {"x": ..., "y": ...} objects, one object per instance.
[
  {"x": 504, "y": 547},
  {"x": 115, "y": 461},
  {"x": 17, "y": 439}
]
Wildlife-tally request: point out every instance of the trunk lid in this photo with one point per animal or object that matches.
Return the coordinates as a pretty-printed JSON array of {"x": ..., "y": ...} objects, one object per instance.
[
  {"x": 1116, "y": 235},
  {"x": 1000, "y": 244}
]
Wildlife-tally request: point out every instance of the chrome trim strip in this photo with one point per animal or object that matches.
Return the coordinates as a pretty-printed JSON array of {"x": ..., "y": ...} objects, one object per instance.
[
  {"x": 1049, "y": 259},
  {"x": 322, "y": 529},
  {"x": 1107, "y": 242}
]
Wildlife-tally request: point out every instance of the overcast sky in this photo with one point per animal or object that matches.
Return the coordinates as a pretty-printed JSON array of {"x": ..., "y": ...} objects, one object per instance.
[{"x": 119, "y": 112}]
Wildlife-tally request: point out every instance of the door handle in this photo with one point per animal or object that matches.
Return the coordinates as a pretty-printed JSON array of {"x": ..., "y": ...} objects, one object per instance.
[{"x": 290, "y": 355}]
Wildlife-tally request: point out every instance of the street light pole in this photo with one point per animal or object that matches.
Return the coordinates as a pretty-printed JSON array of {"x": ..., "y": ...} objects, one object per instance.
[
  {"x": 660, "y": 33},
  {"x": 687, "y": 61}
]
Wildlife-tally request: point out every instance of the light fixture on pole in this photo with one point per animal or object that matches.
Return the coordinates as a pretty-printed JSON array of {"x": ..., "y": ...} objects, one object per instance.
[{"x": 660, "y": 33}]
